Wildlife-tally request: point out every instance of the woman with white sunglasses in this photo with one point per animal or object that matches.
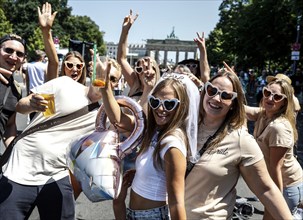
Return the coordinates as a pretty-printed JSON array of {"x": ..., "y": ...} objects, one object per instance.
[
  {"x": 276, "y": 133},
  {"x": 230, "y": 151},
  {"x": 157, "y": 187}
]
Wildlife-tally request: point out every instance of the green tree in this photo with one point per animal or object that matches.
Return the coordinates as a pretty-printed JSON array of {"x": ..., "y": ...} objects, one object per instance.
[
  {"x": 5, "y": 25},
  {"x": 23, "y": 15}
]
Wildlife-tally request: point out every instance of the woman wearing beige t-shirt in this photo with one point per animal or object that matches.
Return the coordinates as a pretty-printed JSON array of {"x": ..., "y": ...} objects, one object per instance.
[
  {"x": 210, "y": 186},
  {"x": 275, "y": 132}
]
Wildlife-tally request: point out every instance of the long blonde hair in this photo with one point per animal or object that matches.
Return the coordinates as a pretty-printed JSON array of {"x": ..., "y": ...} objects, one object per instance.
[
  {"x": 177, "y": 121},
  {"x": 288, "y": 110}
]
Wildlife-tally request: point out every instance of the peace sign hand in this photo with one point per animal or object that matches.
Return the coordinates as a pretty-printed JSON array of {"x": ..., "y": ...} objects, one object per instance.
[{"x": 129, "y": 20}]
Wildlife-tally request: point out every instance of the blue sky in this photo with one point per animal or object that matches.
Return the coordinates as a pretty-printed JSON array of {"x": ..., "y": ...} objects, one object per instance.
[{"x": 156, "y": 18}]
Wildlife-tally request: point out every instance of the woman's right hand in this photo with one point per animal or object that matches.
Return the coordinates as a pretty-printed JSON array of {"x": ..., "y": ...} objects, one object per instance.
[{"x": 129, "y": 20}]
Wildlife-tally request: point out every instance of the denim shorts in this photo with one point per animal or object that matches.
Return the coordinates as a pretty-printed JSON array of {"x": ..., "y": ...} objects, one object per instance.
[
  {"x": 152, "y": 214},
  {"x": 293, "y": 196}
]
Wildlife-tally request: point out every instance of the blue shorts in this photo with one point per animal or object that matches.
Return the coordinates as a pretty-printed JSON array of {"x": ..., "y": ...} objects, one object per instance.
[
  {"x": 160, "y": 213},
  {"x": 293, "y": 196},
  {"x": 54, "y": 200}
]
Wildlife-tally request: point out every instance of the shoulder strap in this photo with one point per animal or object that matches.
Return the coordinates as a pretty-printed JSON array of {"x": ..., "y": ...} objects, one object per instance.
[
  {"x": 191, "y": 165},
  {"x": 46, "y": 125}
]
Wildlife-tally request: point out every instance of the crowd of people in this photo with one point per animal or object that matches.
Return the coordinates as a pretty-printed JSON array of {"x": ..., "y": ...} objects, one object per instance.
[{"x": 196, "y": 143}]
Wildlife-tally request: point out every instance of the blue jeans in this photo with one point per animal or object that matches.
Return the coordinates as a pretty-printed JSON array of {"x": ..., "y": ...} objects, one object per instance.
[
  {"x": 55, "y": 201},
  {"x": 160, "y": 213},
  {"x": 293, "y": 196}
]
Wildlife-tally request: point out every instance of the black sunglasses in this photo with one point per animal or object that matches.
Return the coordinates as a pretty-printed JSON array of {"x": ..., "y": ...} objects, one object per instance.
[
  {"x": 168, "y": 104},
  {"x": 11, "y": 51},
  {"x": 192, "y": 65},
  {"x": 113, "y": 79},
  {"x": 212, "y": 91},
  {"x": 275, "y": 96},
  {"x": 71, "y": 65}
]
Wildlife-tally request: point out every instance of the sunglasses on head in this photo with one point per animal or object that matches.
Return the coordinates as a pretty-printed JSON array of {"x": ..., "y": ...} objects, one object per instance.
[
  {"x": 275, "y": 96},
  {"x": 11, "y": 51},
  {"x": 168, "y": 104},
  {"x": 212, "y": 91},
  {"x": 191, "y": 65},
  {"x": 70, "y": 65}
]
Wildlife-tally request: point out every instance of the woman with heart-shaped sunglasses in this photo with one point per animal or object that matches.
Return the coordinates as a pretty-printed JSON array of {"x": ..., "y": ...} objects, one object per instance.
[
  {"x": 276, "y": 133},
  {"x": 142, "y": 78},
  {"x": 157, "y": 183}
]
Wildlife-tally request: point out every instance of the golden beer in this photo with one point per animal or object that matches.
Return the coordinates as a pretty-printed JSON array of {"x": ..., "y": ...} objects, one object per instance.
[
  {"x": 99, "y": 83},
  {"x": 51, "y": 110}
]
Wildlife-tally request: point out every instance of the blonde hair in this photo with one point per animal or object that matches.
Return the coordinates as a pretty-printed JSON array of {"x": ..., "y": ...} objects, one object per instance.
[
  {"x": 177, "y": 121},
  {"x": 288, "y": 110}
]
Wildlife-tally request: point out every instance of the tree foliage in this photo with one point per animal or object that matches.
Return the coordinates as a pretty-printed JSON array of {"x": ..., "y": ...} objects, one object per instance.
[
  {"x": 255, "y": 33},
  {"x": 23, "y": 16}
]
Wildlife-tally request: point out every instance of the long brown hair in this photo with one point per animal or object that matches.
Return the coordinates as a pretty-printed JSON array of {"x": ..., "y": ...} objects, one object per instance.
[
  {"x": 178, "y": 120},
  {"x": 76, "y": 54},
  {"x": 235, "y": 118}
]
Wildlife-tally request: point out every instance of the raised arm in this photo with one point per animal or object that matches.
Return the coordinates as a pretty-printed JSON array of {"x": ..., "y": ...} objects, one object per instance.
[
  {"x": 204, "y": 67},
  {"x": 127, "y": 70},
  {"x": 31, "y": 103},
  {"x": 113, "y": 110},
  {"x": 46, "y": 19}
]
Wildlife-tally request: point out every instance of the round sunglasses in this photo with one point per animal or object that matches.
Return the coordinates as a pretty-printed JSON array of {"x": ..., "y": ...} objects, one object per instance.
[
  {"x": 212, "y": 91},
  {"x": 70, "y": 65},
  {"x": 275, "y": 96},
  {"x": 168, "y": 104},
  {"x": 11, "y": 51}
]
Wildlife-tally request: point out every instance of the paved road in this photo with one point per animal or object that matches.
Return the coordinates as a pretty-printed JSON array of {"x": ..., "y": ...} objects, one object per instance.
[{"x": 103, "y": 210}]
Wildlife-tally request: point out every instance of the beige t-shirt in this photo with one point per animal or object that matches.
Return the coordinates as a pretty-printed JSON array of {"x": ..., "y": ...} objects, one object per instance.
[
  {"x": 279, "y": 133},
  {"x": 210, "y": 187}
]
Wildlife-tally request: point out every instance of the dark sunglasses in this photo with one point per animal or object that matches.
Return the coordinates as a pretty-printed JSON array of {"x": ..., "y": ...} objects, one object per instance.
[
  {"x": 71, "y": 65},
  {"x": 113, "y": 79},
  {"x": 168, "y": 104},
  {"x": 139, "y": 69},
  {"x": 275, "y": 96},
  {"x": 191, "y": 65},
  {"x": 212, "y": 91},
  {"x": 11, "y": 51}
]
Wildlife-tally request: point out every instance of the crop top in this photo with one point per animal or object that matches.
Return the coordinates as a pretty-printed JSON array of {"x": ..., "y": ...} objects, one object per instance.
[{"x": 150, "y": 182}]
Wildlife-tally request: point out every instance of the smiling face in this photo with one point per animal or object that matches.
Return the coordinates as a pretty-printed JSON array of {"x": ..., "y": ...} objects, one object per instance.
[
  {"x": 271, "y": 105},
  {"x": 10, "y": 55},
  {"x": 215, "y": 107},
  {"x": 162, "y": 117}
]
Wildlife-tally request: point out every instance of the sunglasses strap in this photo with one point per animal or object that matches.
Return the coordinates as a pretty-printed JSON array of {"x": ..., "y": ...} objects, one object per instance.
[
  {"x": 45, "y": 125},
  {"x": 190, "y": 165}
]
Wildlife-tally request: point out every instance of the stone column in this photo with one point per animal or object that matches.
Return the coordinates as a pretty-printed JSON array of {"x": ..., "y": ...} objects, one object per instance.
[
  {"x": 165, "y": 57},
  {"x": 177, "y": 56},
  {"x": 186, "y": 55},
  {"x": 157, "y": 56}
]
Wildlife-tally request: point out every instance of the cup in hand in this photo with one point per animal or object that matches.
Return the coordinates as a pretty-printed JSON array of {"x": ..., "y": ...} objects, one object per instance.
[
  {"x": 99, "y": 81},
  {"x": 48, "y": 95}
]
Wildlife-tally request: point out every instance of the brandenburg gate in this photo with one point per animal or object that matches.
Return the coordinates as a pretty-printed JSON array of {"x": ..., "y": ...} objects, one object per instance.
[{"x": 171, "y": 43}]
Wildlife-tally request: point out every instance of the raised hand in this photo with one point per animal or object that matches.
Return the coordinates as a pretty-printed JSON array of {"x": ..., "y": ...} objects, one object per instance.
[
  {"x": 129, "y": 20},
  {"x": 200, "y": 41},
  {"x": 46, "y": 18}
]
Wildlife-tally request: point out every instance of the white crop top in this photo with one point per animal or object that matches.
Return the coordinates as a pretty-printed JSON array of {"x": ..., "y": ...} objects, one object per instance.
[{"x": 149, "y": 182}]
